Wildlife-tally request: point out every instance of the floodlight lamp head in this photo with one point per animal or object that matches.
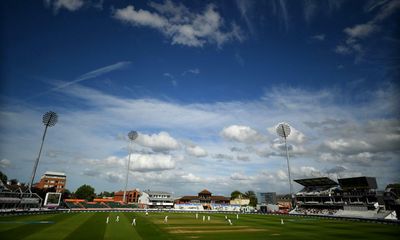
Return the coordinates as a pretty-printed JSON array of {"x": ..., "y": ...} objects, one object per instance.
[
  {"x": 132, "y": 135},
  {"x": 50, "y": 119},
  {"x": 283, "y": 130}
]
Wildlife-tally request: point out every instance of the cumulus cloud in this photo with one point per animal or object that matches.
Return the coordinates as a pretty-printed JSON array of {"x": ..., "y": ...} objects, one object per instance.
[
  {"x": 372, "y": 121},
  {"x": 180, "y": 25},
  {"x": 158, "y": 142},
  {"x": 240, "y": 134},
  {"x": 196, "y": 151},
  {"x": 114, "y": 177},
  {"x": 153, "y": 162},
  {"x": 190, "y": 177}
]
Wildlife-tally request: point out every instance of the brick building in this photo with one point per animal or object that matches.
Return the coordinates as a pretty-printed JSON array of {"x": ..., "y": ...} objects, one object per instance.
[
  {"x": 132, "y": 196},
  {"x": 52, "y": 179},
  {"x": 205, "y": 198}
]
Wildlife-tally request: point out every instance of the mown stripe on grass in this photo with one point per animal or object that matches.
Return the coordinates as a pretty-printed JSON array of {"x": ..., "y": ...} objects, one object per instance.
[
  {"x": 62, "y": 229},
  {"x": 7, "y": 221},
  {"x": 25, "y": 230},
  {"x": 122, "y": 229},
  {"x": 93, "y": 228},
  {"x": 148, "y": 229}
]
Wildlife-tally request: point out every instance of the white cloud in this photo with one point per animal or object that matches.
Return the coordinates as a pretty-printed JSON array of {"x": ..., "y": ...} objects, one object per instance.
[
  {"x": 240, "y": 177},
  {"x": 71, "y": 5},
  {"x": 319, "y": 37},
  {"x": 190, "y": 177},
  {"x": 140, "y": 17},
  {"x": 240, "y": 134},
  {"x": 193, "y": 71},
  {"x": 114, "y": 177},
  {"x": 342, "y": 49},
  {"x": 77, "y": 138},
  {"x": 182, "y": 26},
  {"x": 5, "y": 163},
  {"x": 357, "y": 33},
  {"x": 361, "y": 30},
  {"x": 158, "y": 142},
  {"x": 196, "y": 151},
  {"x": 153, "y": 162}
]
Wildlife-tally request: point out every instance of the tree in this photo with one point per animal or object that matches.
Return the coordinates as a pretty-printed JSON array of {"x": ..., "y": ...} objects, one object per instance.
[
  {"x": 3, "y": 177},
  {"x": 85, "y": 192},
  {"x": 66, "y": 194},
  {"x": 235, "y": 194},
  {"x": 106, "y": 194},
  {"x": 252, "y": 196},
  {"x": 14, "y": 181}
]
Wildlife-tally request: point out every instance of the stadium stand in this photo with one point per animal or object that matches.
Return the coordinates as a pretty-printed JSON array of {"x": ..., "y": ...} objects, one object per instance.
[
  {"x": 17, "y": 197},
  {"x": 350, "y": 197}
]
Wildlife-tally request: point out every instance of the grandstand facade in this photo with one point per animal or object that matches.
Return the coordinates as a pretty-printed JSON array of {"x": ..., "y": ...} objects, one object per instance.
[
  {"x": 56, "y": 180},
  {"x": 132, "y": 196},
  {"x": 349, "y": 193},
  {"x": 204, "y": 198},
  {"x": 156, "y": 199},
  {"x": 17, "y": 196}
]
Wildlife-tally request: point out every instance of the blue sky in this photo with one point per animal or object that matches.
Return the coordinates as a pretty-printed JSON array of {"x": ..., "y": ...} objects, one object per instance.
[{"x": 204, "y": 83}]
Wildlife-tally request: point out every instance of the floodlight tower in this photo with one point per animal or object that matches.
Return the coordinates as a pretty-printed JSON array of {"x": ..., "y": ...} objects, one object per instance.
[
  {"x": 49, "y": 119},
  {"x": 132, "y": 135},
  {"x": 283, "y": 130}
]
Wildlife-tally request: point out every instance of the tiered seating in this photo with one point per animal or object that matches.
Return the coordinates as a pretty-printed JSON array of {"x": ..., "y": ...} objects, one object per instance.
[
  {"x": 80, "y": 203},
  {"x": 93, "y": 205},
  {"x": 72, "y": 205},
  {"x": 120, "y": 205}
]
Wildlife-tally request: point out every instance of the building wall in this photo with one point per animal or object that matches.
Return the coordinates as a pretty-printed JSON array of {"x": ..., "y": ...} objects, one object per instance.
[
  {"x": 132, "y": 196},
  {"x": 49, "y": 181}
]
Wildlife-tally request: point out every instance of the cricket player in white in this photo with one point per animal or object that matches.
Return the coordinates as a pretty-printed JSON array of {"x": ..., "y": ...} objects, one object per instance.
[
  {"x": 208, "y": 218},
  {"x": 197, "y": 216},
  {"x": 108, "y": 219},
  {"x": 230, "y": 222},
  {"x": 134, "y": 222},
  {"x": 204, "y": 218},
  {"x": 166, "y": 219},
  {"x": 237, "y": 216},
  {"x": 281, "y": 221},
  {"x": 117, "y": 220}
]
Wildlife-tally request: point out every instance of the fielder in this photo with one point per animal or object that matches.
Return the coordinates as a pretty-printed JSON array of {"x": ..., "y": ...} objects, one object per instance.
[
  {"x": 204, "y": 218},
  {"x": 229, "y": 221},
  {"x": 134, "y": 222},
  {"x": 208, "y": 218},
  {"x": 117, "y": 220},
  {"x": 107, "y": 220},
  {"x": 166, "y": 219},
  {"x": 197, "y": 216}
]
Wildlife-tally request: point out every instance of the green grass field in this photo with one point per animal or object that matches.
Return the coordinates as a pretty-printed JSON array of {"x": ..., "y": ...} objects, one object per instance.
[{"x": 184, "y": 226}]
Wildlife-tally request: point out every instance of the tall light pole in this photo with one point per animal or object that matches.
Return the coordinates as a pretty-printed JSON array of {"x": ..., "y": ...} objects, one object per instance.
[
  {"x": 49, "y": 119},
  {"x": 283, "y": 130},
  {"x": 132, "y": 135}
]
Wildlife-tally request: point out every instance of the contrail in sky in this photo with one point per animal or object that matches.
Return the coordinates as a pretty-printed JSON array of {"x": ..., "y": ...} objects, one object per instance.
[{"x": 86, "y": 76}]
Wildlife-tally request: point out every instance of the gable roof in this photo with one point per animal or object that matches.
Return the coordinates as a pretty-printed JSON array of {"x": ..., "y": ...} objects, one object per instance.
[{"x": 205, "y": 191}]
